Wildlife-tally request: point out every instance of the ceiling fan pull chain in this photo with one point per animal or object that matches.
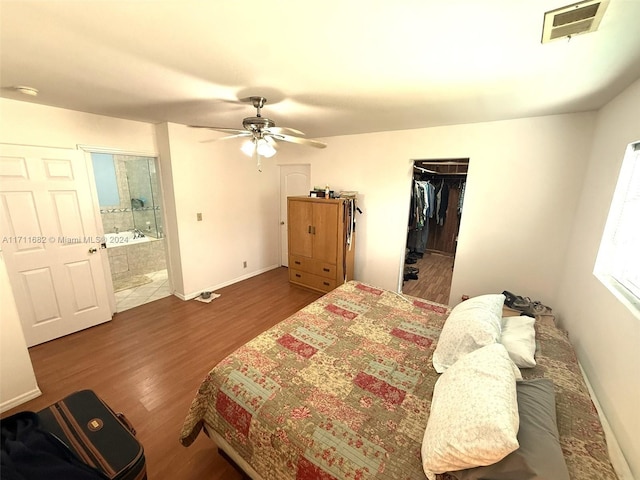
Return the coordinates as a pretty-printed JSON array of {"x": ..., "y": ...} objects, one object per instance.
[{"x": 259, "y": 160}]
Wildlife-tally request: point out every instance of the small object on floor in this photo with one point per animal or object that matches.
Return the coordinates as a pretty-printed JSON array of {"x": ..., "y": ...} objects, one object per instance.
[
  {"x": 410, "y": 273},
  {"x": 209, "y": 299}
]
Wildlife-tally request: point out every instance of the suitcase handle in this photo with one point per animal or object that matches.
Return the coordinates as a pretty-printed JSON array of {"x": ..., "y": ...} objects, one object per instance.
[
  {"x": 120, "y": 416},
  {"x": 124, "y": 420}
]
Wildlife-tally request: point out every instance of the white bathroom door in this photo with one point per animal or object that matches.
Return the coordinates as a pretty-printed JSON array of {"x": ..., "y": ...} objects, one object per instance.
[
  {"x": 294, "y": 180},
  {"x": 48, "y": 233}
]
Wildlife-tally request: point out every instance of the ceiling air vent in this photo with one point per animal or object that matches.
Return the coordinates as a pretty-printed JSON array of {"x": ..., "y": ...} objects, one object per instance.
[{"x": 583, "y": 17}]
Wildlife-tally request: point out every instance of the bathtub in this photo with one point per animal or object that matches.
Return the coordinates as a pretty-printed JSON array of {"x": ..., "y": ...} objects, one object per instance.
[{"x": 122, "y": 239}]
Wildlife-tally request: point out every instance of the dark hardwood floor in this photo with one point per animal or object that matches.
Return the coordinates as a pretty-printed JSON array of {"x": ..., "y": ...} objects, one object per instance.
[
  {"x": 149, "y": 361},
  {"x": 434, "y": 278}
]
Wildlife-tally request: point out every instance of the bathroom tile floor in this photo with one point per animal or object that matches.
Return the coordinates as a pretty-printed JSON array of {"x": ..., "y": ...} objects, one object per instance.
[{"x": 132, "y": 297}]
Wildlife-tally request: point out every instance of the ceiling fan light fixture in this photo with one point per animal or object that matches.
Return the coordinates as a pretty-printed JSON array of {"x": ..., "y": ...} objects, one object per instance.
[
  {"x": 265, "y": 149},
  {"x": 263, "y": 134},
  {"x": 248, "y": 148}
]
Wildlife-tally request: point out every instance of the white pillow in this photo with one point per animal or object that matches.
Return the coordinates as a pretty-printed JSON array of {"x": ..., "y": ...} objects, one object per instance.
[
  {"x": 471, "y": 324},
  {"x": 474, "y": 413},
  {"x": 519, "y": 338}
]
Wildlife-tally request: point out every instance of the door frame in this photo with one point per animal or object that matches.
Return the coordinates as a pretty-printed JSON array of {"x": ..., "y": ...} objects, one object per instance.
[
  {"x": 88, "y": 150},
  {"x": 449, "y": 169}
]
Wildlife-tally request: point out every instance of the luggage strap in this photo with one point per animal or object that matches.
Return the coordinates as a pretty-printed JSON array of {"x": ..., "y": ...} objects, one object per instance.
[{"x": 80, "y": 442}]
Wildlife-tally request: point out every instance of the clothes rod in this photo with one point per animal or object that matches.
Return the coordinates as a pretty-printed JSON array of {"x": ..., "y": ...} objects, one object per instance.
[
  {"x": 425, "y": 170},
  {"x": 427, "y": 162},
  {"x": 450, "y": 174}
]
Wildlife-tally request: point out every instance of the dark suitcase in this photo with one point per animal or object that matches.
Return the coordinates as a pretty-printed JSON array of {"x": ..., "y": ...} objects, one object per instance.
[{"x": 96, "y": 434}]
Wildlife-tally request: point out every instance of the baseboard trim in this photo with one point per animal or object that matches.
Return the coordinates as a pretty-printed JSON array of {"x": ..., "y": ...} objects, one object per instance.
[
  {"x": 192, "y": 295},
  {"x": 618, "y": 460},
  {"x": 19, "y": 400}
]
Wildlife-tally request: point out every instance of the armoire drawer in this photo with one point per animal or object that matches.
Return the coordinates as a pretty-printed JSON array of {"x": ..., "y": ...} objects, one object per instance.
[
  {"x": 310, "y": 265},
  {"x": 312, "y": 281},
  {"x": 300, "y": 263}
]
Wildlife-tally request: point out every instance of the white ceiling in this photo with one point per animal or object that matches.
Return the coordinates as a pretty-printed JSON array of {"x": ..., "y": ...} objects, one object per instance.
[{"x": 327, "y": 68}]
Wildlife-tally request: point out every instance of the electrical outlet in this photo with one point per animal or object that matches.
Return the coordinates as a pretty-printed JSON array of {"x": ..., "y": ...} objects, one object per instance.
[
  {"x": 199, "y": 217},
  {"x": 244, "y": 264}
]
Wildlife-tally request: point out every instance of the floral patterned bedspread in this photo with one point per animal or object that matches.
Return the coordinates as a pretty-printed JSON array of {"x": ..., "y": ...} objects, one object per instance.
[{"x": 342, "y": 390}]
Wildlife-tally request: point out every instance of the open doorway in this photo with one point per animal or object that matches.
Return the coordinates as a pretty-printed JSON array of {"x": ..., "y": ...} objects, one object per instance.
[
  {"x": 437, "y": 201},
  {"x": 129, "y": 198}
]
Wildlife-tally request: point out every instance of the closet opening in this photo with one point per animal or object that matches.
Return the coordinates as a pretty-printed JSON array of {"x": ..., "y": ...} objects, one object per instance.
[{"x": 437, "y": 201}]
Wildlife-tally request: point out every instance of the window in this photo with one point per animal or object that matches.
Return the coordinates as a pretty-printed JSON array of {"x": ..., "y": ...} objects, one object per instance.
[
  {"x": 104, "y": 171},
  {"x": 618, "y": 262}
]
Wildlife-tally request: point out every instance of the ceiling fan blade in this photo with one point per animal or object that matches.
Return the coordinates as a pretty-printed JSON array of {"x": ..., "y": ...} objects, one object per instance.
[
  {"x": 238, "y": 135},
  {"x": 220, "y": 129},
  {"x": 285, "y": 131},
  {"x": 271, "y": 141},
  {"x": 302, "y": 141}
]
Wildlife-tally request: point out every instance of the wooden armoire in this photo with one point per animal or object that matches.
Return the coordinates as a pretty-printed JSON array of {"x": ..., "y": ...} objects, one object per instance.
[{"x": 321, "y": 242}]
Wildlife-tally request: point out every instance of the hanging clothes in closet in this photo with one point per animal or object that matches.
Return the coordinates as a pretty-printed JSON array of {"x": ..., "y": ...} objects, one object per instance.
[
  {"x": 444, "y": 227},
  {"x": 442, "y": 202},
  {"x": 423, "y": 207},
  {"x": 436, "y": 208}
]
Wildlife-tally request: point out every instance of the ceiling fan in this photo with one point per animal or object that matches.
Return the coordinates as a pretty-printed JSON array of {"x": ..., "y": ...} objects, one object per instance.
[{"x": 263, "y": 134}]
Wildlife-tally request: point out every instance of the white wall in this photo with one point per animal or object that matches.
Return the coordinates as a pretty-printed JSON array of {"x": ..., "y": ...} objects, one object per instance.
[
  {"x": 523, "y": 184},
  {"x": 30, "y": 124},
  {"x": 606, "y": 335},
  {"x": 17, "y": 379},
  {"x": 239, "y": 206}
]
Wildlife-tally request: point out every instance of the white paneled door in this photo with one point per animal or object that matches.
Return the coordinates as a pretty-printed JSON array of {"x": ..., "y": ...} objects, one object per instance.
[
  {"x": 48, "y": 233},
  {"x": 294, "y": 180}
]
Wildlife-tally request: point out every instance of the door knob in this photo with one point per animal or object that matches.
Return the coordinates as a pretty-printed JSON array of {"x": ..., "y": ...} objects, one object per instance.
[
  {"x": 93, "y": 250},
  {"x": 282, "y": 223}
]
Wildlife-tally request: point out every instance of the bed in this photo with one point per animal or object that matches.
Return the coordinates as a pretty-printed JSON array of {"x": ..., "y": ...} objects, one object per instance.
[{"x": 342, "y": 389}]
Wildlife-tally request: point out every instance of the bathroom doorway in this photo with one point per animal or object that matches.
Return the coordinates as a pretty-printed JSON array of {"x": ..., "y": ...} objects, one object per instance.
[
  {"x": 437, "y": 200},
  {"x": 129, "y": 198}
]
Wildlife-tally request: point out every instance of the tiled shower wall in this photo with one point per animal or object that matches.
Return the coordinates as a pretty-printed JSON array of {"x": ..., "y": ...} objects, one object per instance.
[
  {"x": 137, "y": 259},
  {"x": 125, "y": 218}
]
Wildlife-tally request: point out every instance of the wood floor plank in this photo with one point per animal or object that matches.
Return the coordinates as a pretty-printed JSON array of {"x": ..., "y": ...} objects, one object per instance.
[
  {"x": 434, "y": 278},
  {"x": 149, "y": 361}
]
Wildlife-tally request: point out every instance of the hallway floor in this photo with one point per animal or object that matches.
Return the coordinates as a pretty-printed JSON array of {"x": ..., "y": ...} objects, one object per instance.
[{"x": 132, "y": 297}]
